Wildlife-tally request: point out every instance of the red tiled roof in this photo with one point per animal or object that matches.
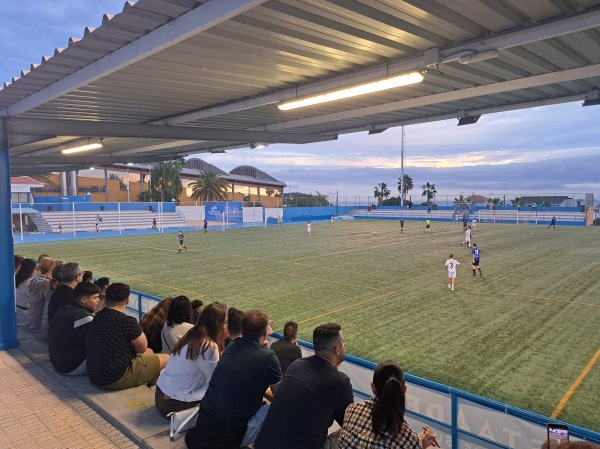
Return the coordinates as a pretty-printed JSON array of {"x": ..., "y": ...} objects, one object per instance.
[{"x": 25, "y": 180}]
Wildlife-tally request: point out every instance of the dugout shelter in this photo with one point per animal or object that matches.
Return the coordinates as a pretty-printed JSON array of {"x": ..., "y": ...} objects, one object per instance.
[{"x": 168, "y": 78}]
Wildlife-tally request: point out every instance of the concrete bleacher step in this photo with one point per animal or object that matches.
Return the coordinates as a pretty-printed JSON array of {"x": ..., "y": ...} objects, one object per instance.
[{"x": 132, "y": 411}]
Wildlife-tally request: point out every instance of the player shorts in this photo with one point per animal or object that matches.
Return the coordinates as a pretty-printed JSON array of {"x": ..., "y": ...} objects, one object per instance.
[
  {"x": 426, "y": 226},
  {"x": 451, "y": 274},
  {"x": 476, "y": 263}
]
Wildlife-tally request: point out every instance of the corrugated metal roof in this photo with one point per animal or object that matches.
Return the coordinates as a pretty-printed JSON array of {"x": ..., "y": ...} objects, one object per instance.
[{"x": 220, "y": 67}]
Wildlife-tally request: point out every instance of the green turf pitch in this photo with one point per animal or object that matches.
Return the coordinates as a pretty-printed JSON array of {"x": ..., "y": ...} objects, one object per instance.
[{"x": 521, "y": 334}]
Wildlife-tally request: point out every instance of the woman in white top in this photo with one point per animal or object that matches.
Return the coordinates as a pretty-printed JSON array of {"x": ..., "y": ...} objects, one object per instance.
[
  {"x": 183, "y": 382},
  {"x": 179, "y": 321}
]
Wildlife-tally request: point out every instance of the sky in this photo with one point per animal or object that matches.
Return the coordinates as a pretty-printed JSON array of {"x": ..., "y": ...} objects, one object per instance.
[{"x": 553, "y": 149}]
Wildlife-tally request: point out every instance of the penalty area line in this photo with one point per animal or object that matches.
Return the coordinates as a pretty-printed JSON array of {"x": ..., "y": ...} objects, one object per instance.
[
  {"x": 575, "y": 385},
  {"x": 341, "y": 309}
]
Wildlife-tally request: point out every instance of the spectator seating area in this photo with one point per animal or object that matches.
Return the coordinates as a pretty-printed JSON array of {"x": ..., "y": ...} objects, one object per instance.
[
  {"x": 111, "y": 220},
  {"x": 482, "y": 215}
]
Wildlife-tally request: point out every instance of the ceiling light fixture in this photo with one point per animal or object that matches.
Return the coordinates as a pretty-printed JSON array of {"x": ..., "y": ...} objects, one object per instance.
[
  {"x": 468, "y": 120},
  {"x": 477, "y": 57},
  {"x": 91, "y": 145},
  {"x": 362, "y": 89}
]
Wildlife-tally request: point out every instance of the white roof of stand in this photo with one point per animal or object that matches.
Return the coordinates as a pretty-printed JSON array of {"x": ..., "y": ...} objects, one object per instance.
[{"x": 168, "y": 78}]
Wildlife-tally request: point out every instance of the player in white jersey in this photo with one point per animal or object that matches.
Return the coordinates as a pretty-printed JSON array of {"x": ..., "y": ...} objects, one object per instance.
[
  {"x": 467, "y": 237},
  {"x": 473, "y": 224},
  {"x": 332, "y": 221},
  {"x": 308, "y": 228},
  {"x": 451, "y": 265}
]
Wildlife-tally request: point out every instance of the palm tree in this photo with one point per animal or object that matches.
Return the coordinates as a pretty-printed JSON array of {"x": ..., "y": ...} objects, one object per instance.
[
  {"x": 322, "y": 199},
  {"x": 408, "y": 185},
  {"x": 166, "y": 178},
  {"x": 44, "y": 178},
  {"x": 209, "y": 187},
  {"x": 381, "y": 192},
  {"x": 429, "y": 191}
]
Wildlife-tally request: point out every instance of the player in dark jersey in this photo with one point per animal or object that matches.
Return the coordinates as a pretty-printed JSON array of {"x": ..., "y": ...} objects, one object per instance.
[
  {"x": 205, "y": 226},
  {"x": 552, "y": 223},
  {"x": 402, "y": 225},
  {"x": 476, "y": 253},
  {"x": 181, "y": 245},
  {"x": 465, "y": 222}
]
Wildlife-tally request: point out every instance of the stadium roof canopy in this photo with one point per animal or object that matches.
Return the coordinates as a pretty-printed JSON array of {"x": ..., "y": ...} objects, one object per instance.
[{"x": 168, "y": 78}]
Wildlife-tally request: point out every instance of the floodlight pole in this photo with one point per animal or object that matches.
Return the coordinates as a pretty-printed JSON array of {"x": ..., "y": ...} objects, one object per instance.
[{"x": 402, "y": 167}]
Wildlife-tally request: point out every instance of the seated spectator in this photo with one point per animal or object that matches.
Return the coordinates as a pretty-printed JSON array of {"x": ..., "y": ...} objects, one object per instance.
[
  {"x": 197, "y": 307},
  {"x": 118, "y": 356},
  {"x": 232, "y": 409},
  {"x": 18, "y": 261},
  {"x": 88, "y": 276},
  {"x": 103, "y": 283},
  {"x": 312, "y": 394},
  {"x": 234, "y": 325},
  {"x": 71, "y": 275},
  {"x": 153, "y": 321},
  {"x": 178, "y": 322},
  {"x": 37, "y": 287},
  {"x": 183, "y": 383},
  {"x": 68, "y": 331},
  {"x": 22, "y": 294},
  {"x": 572, "y": 445},
  {"x": 287, "y": 350},
  {"x": 54, "y": 283},
  {"x": 379, "y": 421}
]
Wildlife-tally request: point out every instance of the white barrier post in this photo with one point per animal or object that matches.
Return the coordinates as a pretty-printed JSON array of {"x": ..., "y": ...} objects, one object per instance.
[
  {"x": 21, "y": 219},
  {"x": 119, "y": 215},
  {"x": 74, "y": 230}
]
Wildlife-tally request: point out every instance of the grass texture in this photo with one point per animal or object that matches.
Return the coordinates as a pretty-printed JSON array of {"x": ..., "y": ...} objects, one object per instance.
[{"x": 521, "y": 334}]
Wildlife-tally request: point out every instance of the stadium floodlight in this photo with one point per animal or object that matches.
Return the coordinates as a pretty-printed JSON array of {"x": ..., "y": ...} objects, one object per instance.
[
  {"x": 595, "y": 102},
  {"x": 377, "y": 131},
  {"x": 361, "y": 89},
  {"x": 468, "y": 120},
  {"x": 90, "y": 145}
]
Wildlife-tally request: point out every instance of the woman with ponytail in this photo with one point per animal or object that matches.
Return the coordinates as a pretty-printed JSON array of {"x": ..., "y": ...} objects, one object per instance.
[{"x": 379, "y": 421}]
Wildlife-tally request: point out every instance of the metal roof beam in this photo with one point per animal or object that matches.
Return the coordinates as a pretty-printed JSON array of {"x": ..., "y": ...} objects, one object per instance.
[
  {"x": 77, "y": 159},
  {"x": 199, "y": 19},
  {"x": 455, "y": 115},
  {"x": 84, "y": 128},
  {"x": 502, "y": 41},
  {"x": 471, "y": 92}
]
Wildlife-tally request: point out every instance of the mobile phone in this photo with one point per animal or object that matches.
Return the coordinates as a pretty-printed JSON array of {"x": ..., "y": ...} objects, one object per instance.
[{"x": 557, "y": 433}]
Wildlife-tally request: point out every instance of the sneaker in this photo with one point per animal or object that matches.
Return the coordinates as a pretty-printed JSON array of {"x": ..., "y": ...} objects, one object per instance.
[
  {"x": 480, "y": 274},
  {"x": 449, "y": 286},
  {"x": 473, "y": 274},
  {"x": 179, "y": 251},
  {"x": 452, "y": 289},
  {"x": 461, "y": 243}
]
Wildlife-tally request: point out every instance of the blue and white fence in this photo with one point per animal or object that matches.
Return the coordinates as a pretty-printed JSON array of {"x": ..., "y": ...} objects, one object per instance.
[{"x": 461, "y": 420}]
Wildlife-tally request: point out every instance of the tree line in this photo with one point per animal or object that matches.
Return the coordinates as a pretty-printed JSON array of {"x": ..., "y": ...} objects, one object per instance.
[{"x": 382, "y": 192}]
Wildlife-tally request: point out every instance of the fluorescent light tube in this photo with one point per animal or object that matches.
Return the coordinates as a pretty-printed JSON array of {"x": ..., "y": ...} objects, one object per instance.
[
  {"x": 84, "y": 147},
  {"x": 375, "y": 86}
]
